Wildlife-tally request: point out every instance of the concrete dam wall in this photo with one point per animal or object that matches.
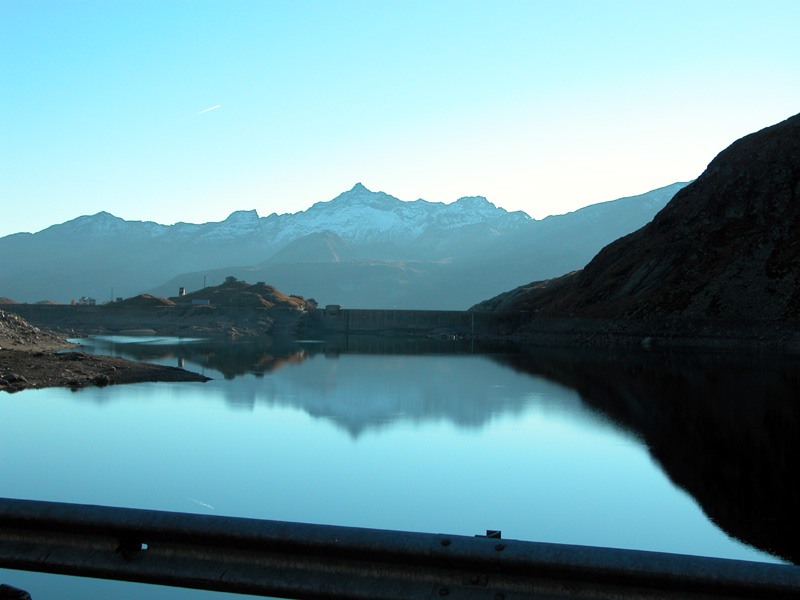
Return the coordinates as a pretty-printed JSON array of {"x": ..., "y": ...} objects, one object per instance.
[{"x": 358, "y": 321}]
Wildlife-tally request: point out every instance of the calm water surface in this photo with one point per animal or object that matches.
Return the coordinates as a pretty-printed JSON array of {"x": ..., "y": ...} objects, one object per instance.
[{"x": 409, "y": 436}]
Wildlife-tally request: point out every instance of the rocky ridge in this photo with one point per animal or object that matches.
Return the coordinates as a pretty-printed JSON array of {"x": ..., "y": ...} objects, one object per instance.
[{"x": 726, "y": 248}]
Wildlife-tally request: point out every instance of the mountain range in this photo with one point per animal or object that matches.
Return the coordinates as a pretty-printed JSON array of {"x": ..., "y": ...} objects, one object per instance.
[{"x": 362, "y": 249}]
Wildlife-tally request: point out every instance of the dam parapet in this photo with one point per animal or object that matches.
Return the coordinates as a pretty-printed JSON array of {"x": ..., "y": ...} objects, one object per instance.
[{"x": 334, "y": 319}]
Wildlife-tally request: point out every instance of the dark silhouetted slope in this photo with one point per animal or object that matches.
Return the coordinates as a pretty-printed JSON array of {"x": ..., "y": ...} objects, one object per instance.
[{"x": 725, "y": 247}]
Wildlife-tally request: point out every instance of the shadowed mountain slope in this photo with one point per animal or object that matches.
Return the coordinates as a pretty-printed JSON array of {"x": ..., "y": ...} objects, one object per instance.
[
  {"x": 324, "y": 246},
  {"x": 725, "y": 247}
]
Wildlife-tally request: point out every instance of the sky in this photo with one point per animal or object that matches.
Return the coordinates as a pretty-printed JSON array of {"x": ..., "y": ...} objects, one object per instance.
[{"x": 187, "y": 111}]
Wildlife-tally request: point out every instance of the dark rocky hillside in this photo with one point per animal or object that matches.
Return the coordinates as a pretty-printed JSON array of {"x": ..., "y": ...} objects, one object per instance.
[{"x": 726, "y": 247}]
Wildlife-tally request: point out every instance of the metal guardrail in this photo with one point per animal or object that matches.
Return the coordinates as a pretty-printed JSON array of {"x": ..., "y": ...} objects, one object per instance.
[{"x": 295, "y": 560}]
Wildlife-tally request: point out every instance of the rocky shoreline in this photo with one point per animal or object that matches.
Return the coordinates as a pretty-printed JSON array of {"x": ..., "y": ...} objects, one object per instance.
[
  {"x": 29, "y": 359},
  {"x": 21, "y": 370},
  {"x": 661, "y": 332}
]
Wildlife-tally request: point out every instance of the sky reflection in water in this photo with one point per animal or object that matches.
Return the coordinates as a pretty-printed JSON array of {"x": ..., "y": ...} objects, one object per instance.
[{"x": 437, "y": 443}]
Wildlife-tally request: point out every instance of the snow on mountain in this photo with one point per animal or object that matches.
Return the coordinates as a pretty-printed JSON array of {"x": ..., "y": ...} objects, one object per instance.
[
  {"x": 367, "y": 234},
  {"x": 104, "y": 224},
  {"x": 365, "y": 217},
  {"x": 239, "y": 223},
  {"x": 358, "y": 216}
]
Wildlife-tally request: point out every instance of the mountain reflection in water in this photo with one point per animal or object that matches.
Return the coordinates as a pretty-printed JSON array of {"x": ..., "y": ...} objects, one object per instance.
[
  {"x": 254, "y": 356},
  {"x": 357, "y": 396},
  {"x": 726, "y": 428},
  {"x": 722, "y": 427}
]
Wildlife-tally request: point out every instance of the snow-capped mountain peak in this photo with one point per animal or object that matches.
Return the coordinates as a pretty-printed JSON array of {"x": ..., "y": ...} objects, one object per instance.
[
  {"x": 478, "y": 203},
  {"x": 242, "y": 216},
  {"x": 103, "y": 224},
  {"x": 358, "y": 215},
  {"x": 363, "y": 216}
]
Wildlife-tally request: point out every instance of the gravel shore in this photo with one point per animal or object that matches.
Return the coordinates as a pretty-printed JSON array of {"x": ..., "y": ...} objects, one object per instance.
[{"x": 29, "y": 359}]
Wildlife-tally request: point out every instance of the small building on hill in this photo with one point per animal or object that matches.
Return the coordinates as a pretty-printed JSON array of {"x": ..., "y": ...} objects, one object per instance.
[{"x": 87, "y": 301}]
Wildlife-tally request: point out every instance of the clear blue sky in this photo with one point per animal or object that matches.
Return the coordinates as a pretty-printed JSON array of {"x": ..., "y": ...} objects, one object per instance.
[{"x": 541, "y": 106}]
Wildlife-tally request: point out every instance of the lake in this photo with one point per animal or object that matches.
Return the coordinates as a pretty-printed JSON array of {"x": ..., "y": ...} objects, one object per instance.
[{"x": 663, "y": 451}]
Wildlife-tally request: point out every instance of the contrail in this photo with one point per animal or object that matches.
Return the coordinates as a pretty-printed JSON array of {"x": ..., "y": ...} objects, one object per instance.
[
  {"x": 208, "y": 109},
  {"x": 195, "y": 499}
]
